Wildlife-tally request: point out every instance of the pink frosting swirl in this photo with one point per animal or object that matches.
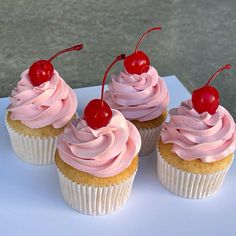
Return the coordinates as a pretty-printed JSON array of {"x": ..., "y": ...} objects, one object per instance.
[
  {"x": 52, "y": 103},
  {"x": 200, "y": 136},
  {"x": 139, "y": 97},
  {"x": 103, "y": 152}
]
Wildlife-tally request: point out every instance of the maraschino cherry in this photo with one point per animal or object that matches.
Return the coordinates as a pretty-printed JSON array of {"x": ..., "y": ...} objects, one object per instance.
[
  {"x": 41, "y": 71},
  {"x": 138, "y": 62},
  {"x": 206, "y": 98},
  {"x": 97, "y": 113}
]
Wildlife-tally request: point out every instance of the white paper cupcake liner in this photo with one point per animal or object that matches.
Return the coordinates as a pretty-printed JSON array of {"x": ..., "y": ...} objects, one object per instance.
[
  {"x": 92, "y": 200},
  {"x": 149, "y": 139},
  {"x": 34, "y": 150},
  {"x": 186, "y": 184}
]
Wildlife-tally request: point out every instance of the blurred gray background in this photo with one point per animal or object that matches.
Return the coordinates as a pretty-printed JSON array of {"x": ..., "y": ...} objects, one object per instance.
[{"x": 198, "y": 37}]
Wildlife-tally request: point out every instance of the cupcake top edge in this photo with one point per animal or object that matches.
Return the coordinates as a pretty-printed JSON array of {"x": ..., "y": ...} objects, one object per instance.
[
  {"x": 200, "y": 136},
  {"x": 103, "y": 152}
]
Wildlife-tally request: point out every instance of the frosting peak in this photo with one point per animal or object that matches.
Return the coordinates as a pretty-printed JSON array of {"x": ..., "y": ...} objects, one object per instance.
[
  {"x": 200, "y": 136},
  {"x": 104, "y": 152},
  {"x": 139, "y": 97},
  {"x": 52, "y": 103}
]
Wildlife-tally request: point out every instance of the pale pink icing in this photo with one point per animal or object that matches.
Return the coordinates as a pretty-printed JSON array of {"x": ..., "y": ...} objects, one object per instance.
[
  {"x": 52, "y": 103},
  {"x": 139, "y": 97},
  {"x": 200, "y": 136},
  {"x": 104, "y": 152}
]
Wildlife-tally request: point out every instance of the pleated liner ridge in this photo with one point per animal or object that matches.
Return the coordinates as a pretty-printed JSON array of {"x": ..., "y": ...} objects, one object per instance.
[
  {"x": 186, "y": 184},
  {"x": 93, "y": 200},
  {"x": 149, "y": 139},
  {"x": 34, "y": 150}
]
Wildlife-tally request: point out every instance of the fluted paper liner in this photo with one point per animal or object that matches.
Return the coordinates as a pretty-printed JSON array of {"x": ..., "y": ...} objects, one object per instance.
[
  {"x": 186, "y": 184},
  {"x": 93, "y": 200},
  {"x": 34, "y": 150},
  {"x": 149, "y": 139}
]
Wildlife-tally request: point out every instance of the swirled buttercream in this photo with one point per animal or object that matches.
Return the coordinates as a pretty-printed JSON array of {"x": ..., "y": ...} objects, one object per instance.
[
  {"x": 104, "y": 152},
  {"x": 52, "y": 103},
  {"x": 139, "y": 97},
  {"x": 200, "y": 136}
]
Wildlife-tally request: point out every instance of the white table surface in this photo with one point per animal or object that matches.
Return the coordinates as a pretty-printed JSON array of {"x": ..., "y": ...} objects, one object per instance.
[{"x": 31, "y": 202}]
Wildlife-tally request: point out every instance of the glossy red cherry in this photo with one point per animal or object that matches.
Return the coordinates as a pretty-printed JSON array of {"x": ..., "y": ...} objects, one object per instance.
[
  {"x": 41, "y": 71},
  {"x": 206, "y": 98},
  {"x": 97, "y": 113},
  {"x": 138, "y": 62}
]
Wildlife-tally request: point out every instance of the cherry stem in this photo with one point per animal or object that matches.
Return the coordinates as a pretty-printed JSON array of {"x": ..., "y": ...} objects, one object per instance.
[
  {"x": 118, "y": 58},
  {"x": 74, "y": 48},
  {"x": 144, "y": 35},
  {"x": 225, "y": 67}
]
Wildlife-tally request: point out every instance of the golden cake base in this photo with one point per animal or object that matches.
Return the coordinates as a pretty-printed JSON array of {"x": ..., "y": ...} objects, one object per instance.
[
  {"x": 190, "y": 179},
  {"x": 194, "y": 166},
  {"x": 149, "y": 124},
  {"x": 92, "y": 195},
  {"x": 84, "y": 178},
  {"x": 40, "y": 132}
]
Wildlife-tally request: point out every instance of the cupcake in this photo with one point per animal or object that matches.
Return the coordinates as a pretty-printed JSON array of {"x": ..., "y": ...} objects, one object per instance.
[
  {"x": 196, "y": 147},
  {"x": 141, "y": 95},
  {"x": 97, "y": 160},
  {"x": 41, "y": 105}
]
